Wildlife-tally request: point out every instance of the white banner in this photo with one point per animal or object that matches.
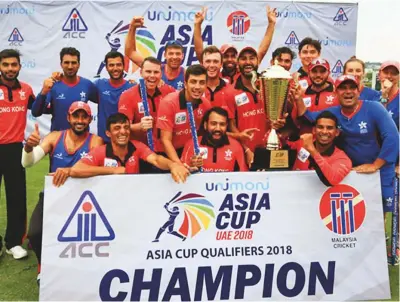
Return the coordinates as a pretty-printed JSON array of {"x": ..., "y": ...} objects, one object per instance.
[
  {"x": 237, "y": 236},
  {"x": 40, "y": 29}
]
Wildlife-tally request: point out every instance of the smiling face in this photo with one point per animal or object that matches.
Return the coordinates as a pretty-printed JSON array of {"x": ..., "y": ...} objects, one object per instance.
[
  {"x": 212, "y": 62},
  {"x": 9, "y": 68},
  {"x": 348, "y": 94},
  {"x": 325, "y": 131},
  {"x": 151, "y": 73},
  {"x": 119, "y": 133},
  {"x": 319, "y": 75},
  {"x": 229, "y": 59},
  {"x": 195, "y": 86},
  {"x": 356, "y": 69},
  {"x": 79, "y": 121},
  {"x": 307, "y": 54},
  {"x": 390, "y": 73},
  {"x": 248, "y": 62},
  {"x": 115, "y": 68},
  {"x": 173, "y": 57},
  {"x": 70, "y": 65},
  {"x": 216, "y": 127}
]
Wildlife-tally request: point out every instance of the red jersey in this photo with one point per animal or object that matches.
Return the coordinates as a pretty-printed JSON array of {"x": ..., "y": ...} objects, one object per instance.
[
  {"x": 228, "y": 157},
  {"x": 173, "y": 116},
  {"x": 248, "y": 110},
  {"x": 316, "y": 101},
  {"x": 228, "y": 78},
  {"x": 332, "y": 165},
  {"x": 14, "y": 104},
  {"x": 103, "y": 156},
  {"x": 130, "y": 103},
  {"x": 221, "y": 96}
]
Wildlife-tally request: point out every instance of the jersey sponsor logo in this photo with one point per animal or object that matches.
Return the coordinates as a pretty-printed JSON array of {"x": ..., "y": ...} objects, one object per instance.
[
  {"x": 180, "y": 118},
  {"x": 228, "y": 155},
  {"x": 22, "y": 95},
  {"x": 15, "y": 38},
  {"x": 122, "y": 107},
  {"x": 107, "y": 92},
  {"x": 238, "y": 23},
  {"x": 307, "y": 101},
  {"x": 363, "y": 127},
  {"x": 241, "y": 99},
  {"x": 58, "y": 155},
  {"x": 1, "y": 95},
  {"x": 83, "y": 96},
  {"x": 303, "y": 83},
  {"x": 140, "y": 107},
  {"x": 110, "y": 162},
  {"x": 303, "y": 155},
  {"x": 340, "y": 17},
  {"x": 61, "y": 96},
  {"x": 75, "y": 27},
  {"x": 163, "y": 118},
  {"x": 292, "y": 39},
  {"x": 337, "y": 70},
  {"x": 204, "y": 152},
  {"x": 391, "y": 113},
  {"x": 329, "y": 99}
]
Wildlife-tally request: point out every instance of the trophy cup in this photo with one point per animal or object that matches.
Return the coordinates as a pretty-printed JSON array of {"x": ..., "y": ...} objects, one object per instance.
[{"x": 273, "y": 87}]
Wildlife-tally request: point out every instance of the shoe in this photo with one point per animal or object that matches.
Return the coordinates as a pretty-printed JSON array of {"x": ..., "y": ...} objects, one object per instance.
[
  {"x": 38, "y": 279},
  {"x": 17, "y": 252}
]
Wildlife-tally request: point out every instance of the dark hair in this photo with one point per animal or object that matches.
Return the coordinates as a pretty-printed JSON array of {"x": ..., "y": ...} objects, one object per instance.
[
  {"x": 116, "y": 118},
  {"x": 173, "y": 44},
  {"x": 114, "y": 54},
  {"x": 195, "y": 69},
  {"x": 281, "y": 50},
  {"x": 210, "y": 50},
  {"x": 10, "y": 53},
  {"x": 206, "y": 117},
  {"x": 151, "y": 60},
  {"x": 354, "y": 59},
  {"x": 328, "y": 115},
  {"x": 70, "y": 51},
  {"x": 310, "y": 41}
]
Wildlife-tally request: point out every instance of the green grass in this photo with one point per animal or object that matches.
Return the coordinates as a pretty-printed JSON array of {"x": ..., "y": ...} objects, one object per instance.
[{"x": 18, "y": 278}]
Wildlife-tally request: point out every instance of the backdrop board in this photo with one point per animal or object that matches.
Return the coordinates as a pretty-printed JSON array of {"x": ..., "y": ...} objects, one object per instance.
[{"x": 232, "y": 236}]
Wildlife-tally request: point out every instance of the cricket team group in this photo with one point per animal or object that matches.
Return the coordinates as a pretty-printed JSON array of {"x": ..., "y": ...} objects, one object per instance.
[{"x": 209, "y": 117}]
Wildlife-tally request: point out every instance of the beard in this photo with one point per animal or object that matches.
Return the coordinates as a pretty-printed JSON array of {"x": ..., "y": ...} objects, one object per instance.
[
  {"x": 216, "y": 142},
  {"x": 80, "y": 132},
  {"x": 5, "y": 77},
  {"x": 229, "y": 69},
  {"x": 250, "y": 74},
  {"x": 120, "y": 76}
]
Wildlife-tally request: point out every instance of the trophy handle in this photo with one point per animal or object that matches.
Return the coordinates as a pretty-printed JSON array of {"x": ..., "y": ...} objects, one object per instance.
[{"x": 254, "y": 78}]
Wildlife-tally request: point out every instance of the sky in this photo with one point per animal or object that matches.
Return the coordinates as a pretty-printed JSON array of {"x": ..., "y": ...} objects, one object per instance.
[{"x": 378, "y": 29}]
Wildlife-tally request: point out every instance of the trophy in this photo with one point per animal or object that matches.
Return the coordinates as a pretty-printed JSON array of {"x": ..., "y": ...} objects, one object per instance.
[{"x": 273, "y": 87}]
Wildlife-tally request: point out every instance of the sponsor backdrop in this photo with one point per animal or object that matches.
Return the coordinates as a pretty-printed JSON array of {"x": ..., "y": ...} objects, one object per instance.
[
  {"x": 40, "y": 29},
  {"x": 237, "y": 236}
]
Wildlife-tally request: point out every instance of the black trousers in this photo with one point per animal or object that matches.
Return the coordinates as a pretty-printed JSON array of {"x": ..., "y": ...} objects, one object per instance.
[
  {"x": 15, "y": 185},
  {"x": 35, "y": 232}
]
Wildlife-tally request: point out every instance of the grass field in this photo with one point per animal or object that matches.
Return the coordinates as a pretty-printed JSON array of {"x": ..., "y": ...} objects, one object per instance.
[{"x": 18, "y": 278}]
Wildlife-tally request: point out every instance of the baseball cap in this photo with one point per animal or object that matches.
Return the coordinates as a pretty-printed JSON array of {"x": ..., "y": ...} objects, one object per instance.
[
  {"x": 346, "y": 78},
  {"x": 247, "y": 48},
  {"x": 319, "y": 62},
  {"x": 395, "y": 64},
  {"x": 75, "y": 106},
  {"x": 224, "y": 48}
]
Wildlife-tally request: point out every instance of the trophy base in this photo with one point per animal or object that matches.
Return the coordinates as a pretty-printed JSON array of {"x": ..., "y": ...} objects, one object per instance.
[{"x": 273, "y": 160}]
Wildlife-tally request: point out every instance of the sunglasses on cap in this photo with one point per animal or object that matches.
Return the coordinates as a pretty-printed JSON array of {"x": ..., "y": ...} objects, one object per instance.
[{"x": 173, "y": 43}]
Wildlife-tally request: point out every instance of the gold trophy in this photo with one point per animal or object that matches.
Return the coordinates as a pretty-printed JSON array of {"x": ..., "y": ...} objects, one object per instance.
[{"x": 273, "y": 89}]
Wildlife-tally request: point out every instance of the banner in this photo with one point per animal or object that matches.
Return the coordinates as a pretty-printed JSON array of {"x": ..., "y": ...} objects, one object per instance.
[
  {"x": 40, "y": 29},
  {"x": 236, "y": 236}
]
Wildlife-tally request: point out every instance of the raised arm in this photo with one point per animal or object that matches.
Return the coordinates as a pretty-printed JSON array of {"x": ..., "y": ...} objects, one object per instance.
[
  {"x": 130, "y": 42},
  {"x": 269, "y": 33},
  {"x": 198, "y": 40}
]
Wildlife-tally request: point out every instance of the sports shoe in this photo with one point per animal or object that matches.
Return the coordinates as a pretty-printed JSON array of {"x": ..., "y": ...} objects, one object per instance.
[{"x": 17, "y": 252}]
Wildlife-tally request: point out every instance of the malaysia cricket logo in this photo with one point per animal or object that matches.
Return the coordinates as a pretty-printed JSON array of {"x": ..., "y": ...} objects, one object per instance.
[
  {"x": 145, "y": 44},
  {"x": 197, "y": 213},
  {"x": 342, "y": 209}
]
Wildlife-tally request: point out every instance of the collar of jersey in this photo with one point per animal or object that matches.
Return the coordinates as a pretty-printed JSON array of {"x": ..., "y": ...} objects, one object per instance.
[
  {"x": 110, "y": 153},
  {"x": 17, "y": 84},
  {"x": 329, "y": 88},
  {"x": 183, "y": 101}
]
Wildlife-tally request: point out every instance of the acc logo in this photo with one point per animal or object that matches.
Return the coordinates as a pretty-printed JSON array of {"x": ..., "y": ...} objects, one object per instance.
[
  {"x": 197, "y": 215},
  {"x": 292, "y": 39},
  {"x": 342, "y": 209},
  {"x": 238, "y": 24},
  {"x": 145, "y": 44},
  {"x": 87, "y": 229},
  {"x": 15, "y": 38},
  {"x": 337, "y": 70},
  {"x": 340, "y": 18},
  {"x": 75, "y": 26}
]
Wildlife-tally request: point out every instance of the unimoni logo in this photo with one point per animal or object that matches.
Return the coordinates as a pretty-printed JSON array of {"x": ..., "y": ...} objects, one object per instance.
[{"x": 174, "y": 15}]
